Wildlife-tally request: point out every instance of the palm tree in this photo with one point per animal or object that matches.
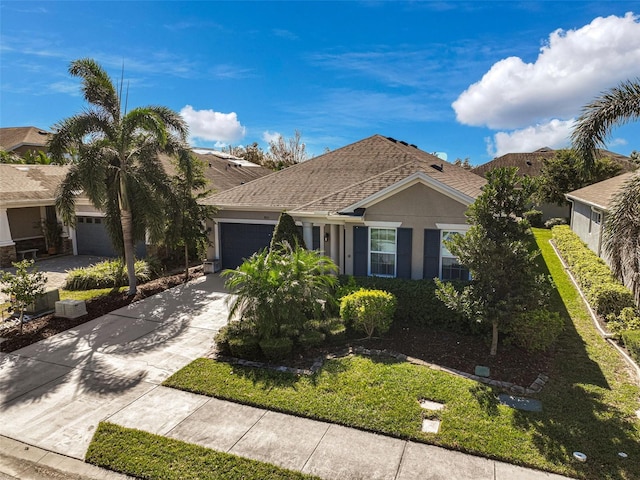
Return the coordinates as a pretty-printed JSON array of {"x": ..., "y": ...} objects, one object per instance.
[
  {"x": 115, "y": 160},
  {"x": 621, "y": 236},
  {"x": 617, "y": 106}
]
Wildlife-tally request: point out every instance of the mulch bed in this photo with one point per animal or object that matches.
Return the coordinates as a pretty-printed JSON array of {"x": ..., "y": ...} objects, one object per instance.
[
  {"x": 48, "y": 325},
  {"x": 461, "y": 352},
  {"x": 444, "y": 348}
]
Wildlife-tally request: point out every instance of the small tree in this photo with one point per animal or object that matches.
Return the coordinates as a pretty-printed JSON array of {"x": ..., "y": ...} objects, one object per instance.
[
  {"x": 496, "y": 252},
  {"x": 564, "y": 173},
  {"x": 24, "y": 286},
  {"x": 287, "y": 232},
  {"x": 286, "y": 152},
  {"x": 186, "y": 225}
]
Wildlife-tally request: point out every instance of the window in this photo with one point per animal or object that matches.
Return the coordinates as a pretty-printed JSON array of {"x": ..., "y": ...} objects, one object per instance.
[
  {"x": 382, "y": 252},
  {"x": 451, "y": 268},
  {"x": 596, "y": 219}
]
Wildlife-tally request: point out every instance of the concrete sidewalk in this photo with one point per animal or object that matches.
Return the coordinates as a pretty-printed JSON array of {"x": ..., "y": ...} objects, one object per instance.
[{"x": 54, "y": 393}]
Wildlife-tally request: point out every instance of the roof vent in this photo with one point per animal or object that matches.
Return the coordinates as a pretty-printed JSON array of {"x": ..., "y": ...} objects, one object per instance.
[
  {"x": 529, "y": 162},
  {"x": 392, "y": 139},
  {"x": 404, "y": 143},
  {"x": 437, "y": 167},
  {"x": 413, "y": 145},
  {"x": 42, "y": 132}
]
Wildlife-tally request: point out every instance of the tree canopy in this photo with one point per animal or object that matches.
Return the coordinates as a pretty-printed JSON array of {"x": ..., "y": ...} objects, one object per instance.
[{"x": 116, "y": 160}]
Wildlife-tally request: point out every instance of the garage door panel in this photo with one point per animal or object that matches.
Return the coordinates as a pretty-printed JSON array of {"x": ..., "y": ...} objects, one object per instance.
[
  {"x": 92, "y": 237},
  {"x": 238, "y": 241}
]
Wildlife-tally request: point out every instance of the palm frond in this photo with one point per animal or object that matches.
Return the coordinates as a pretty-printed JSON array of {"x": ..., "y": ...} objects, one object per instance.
[
  {"x": 621, "y": 236},
  {"x": 97, "y": 86},
  {"x": 617, "y": 106}
]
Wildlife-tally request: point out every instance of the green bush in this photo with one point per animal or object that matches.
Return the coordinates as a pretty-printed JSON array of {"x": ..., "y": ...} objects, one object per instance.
[
  {"x": 416, "y": 302},
  {"x": 631, "y": 339},
  {"x": 106, "y": 274},
  {"x": 276, "y": 348},
  {"x": 629, "y": 319},
  {"x": 552, "y": 222},
  {"x": 231, "y": 330},
  {"x": 245, "y": 346},
  {"x": 534, "y": 217},
  {"x": 311, "y": 338},
  {"x": 604, "y": 292},
  {"x": 369, "y": 310},
  {"x": 536, "y": 330}
]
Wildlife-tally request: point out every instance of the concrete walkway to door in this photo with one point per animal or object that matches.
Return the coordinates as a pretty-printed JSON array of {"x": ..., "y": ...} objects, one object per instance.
[{"x": 54, "y": 393}]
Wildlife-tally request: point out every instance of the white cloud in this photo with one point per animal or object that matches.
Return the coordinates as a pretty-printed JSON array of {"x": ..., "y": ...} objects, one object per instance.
[
  {"x": 212, "y": 126},
  {"x": 572, "y": 68},
  {"x": 269, "y": 137},
  {"x": 554, "y": 134}
]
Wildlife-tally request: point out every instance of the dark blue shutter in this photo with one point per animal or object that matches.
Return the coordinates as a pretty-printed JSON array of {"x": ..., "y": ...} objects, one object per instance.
[
  {"x": 316, "y": 238},
  {"x": 403, "y": 269},
  {"x": 431, "y": 253},
  {"x": 360, "y": 251}
]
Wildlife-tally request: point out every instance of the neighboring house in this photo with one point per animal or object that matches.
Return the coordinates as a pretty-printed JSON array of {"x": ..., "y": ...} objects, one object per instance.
[
  {"x": 225, "y": 171},
  {"x": 21, "y": 140},
  {"x": 530, "y": 164},
  {"x": 589, "y": 208},
  {"x": 27, "y": 197},
  {"x": 376, "y": 207}
]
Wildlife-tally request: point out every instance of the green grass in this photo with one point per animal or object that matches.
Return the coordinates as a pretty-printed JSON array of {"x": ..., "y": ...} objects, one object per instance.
[
  {"x": 87, "y": 294},
  {"x": 588, "y": 405},
  {"x": 149, "y": 456}
]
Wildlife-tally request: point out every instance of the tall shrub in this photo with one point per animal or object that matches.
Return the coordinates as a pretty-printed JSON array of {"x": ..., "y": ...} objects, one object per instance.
[
  {"x": 286, "y": 232},
  {"x": 369, "y": 310}
]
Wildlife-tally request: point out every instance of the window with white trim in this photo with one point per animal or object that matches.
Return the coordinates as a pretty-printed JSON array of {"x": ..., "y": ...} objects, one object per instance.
[
  {"x": 451, "y": 267},
  {"x": 382, "y": 252}
]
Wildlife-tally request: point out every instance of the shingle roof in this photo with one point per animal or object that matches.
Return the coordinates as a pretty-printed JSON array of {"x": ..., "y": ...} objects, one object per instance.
[
  {"x": 530, "y": 163},
  {"x": 600, "y": 194},
  {"x": 345, "y": 176},
  {"x": 29, "y": 182},
  {"x": 14, "y": 137},
  {"x": 224, "y": 174}
]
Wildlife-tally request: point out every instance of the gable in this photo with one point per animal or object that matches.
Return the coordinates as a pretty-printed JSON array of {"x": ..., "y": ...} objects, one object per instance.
[{"x": 418, "y": 205}]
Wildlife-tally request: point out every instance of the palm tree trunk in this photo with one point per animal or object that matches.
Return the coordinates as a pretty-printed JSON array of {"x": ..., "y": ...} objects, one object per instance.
[
  {"x": 186, "y": 263},
  {"x": 129, "y": 257},
  {"x": 494, "y": 338}
]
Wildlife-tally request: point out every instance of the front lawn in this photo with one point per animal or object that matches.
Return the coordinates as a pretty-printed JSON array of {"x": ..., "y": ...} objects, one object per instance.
[
  {"x": 589, "y": 403},
  {"x": 145, "y": 455}
]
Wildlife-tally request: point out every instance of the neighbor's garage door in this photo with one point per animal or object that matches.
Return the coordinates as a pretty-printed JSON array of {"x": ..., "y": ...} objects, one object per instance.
[
  {"x": 92, "y": 237},
  {"x": 241, "y": 240}
]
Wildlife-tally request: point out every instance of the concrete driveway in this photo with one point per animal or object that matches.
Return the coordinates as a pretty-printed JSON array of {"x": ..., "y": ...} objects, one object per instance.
[{"x": 55, "y": 268}]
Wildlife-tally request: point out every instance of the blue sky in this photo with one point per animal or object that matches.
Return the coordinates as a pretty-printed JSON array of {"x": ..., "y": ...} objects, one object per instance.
[{"x": 472, "y": 79}]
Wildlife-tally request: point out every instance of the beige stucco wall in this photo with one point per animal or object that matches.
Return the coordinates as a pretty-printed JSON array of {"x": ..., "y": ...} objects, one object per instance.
[
  {"x": 417, "y": 207},
  {"x": 24, "y": 222}
]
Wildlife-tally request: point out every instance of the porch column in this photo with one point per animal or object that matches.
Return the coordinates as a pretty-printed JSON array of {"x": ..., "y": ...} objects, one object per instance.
[
  {"x": 5, "y": 231},
  {"x": 334, "y": 241},
  {"x": 307, "y": 234}
]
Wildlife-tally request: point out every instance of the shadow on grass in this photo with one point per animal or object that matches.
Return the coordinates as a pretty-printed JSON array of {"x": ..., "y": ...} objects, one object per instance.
[{"x": 576, "y": 415}]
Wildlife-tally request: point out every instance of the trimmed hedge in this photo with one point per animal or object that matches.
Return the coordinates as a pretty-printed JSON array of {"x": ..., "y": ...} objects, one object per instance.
[
  {"x": 604, "y": 292},
  {"x": 537, "y": 330},
  {"x": 416, "y": 302},
  {"x": 631, "y": 339}
]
